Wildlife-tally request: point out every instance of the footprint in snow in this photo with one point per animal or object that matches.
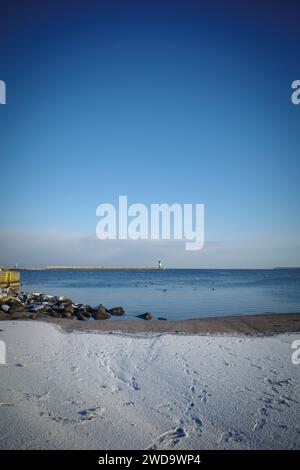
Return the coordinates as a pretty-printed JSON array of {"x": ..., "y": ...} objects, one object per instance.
[
  {"x": 233, "y": 435},
  {"x": 168, "y": 439},
  {"x": 91, "y": 413},
  {"x": 134, "y": 384}
]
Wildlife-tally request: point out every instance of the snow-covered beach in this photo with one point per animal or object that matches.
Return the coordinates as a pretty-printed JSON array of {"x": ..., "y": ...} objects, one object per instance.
[{"x": 96, "y": 390}]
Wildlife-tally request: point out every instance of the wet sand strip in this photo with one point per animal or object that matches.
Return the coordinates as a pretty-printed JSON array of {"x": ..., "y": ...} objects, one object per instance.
[{"x": 266, "y": 324}]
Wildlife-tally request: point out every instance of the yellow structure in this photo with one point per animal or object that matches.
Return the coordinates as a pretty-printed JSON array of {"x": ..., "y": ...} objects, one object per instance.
[{"x": 9, "y": 279}]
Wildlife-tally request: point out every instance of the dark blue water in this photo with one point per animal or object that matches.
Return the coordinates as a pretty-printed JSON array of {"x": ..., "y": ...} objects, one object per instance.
[{"x": 175, "y": 293}]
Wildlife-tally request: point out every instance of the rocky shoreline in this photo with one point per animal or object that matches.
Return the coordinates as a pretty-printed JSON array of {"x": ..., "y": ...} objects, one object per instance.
[{"x": 16, "y": 305}]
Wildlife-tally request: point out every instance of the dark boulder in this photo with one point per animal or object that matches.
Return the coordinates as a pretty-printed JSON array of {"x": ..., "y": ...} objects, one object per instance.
[
  {"x": 20, "y": 315},
  {"x": 35, "y": 315},
  {"x": 55, "y": 314},
  {"x": 116, "y": 311},
  {"x": 85, "y": 310},
  {"x": 15, "y": 306},
  {"x": 101, "y": 313},
  {"x": 67, "y": 314},
  {"x": 81, "y": 317},
  {"x": 4, "y": 316},
  {"x": 146, "y": 316},
  {"x": 68, "y": 309}
]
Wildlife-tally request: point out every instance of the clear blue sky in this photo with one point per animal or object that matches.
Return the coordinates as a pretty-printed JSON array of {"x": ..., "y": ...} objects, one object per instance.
[{"x": 161, "y": 101}]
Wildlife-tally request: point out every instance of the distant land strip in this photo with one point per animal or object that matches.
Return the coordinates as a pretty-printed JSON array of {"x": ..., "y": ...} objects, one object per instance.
[{"x": 91, "y": 268}]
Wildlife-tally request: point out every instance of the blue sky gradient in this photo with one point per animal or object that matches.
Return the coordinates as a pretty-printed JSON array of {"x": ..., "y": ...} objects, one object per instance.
[{"x": 163, "y": 102}]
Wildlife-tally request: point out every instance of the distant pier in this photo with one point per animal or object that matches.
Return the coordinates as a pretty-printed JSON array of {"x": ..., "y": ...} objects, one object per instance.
[{"x": 84, "y": 268}]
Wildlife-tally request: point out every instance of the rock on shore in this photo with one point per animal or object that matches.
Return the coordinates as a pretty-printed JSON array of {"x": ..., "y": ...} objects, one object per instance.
[
  {"x": 146, "y": 316},
  {"x": 15, "y": 305}
]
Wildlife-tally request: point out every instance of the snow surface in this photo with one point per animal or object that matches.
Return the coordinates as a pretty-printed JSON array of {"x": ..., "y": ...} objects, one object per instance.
[{"x": 108, "y": 391}]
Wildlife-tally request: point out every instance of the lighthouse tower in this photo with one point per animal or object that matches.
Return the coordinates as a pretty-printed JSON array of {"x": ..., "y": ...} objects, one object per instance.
[{"x": 159, "y": 264}]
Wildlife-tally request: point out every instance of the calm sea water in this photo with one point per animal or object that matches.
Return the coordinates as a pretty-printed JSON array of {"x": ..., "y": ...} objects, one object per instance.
[{"x": 175, "y": 293}]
